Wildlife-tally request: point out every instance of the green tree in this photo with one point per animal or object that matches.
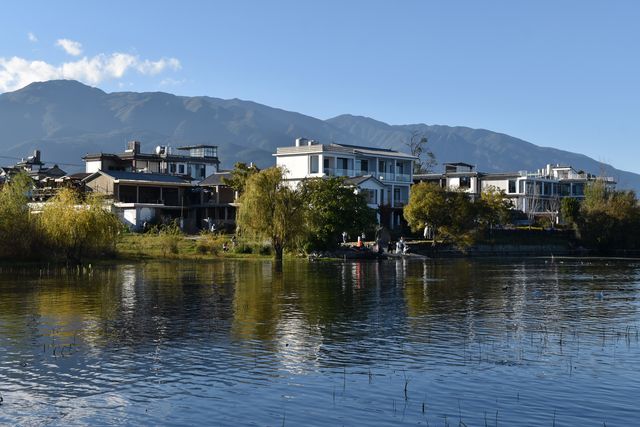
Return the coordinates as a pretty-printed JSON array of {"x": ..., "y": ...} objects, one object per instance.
[
  {"x": 427, "y": 205},
  {"x": 239, "y": 176},
  {"x": 77, "y": 229},
  {"x": 331, "y": 207},
  {"x": 452, "y": 215},
  {"x": 270, "y": 209},
  {"x": 17, "y": 233},
  {"x": 570, "y": 211},
  {"x": 493, "y": 208},
  {"x": 461, "y": 226},
  {"x": 609, "y": 219}
]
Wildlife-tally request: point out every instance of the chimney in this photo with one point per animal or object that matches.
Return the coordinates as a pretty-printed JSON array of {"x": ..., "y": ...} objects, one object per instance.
[
  {"x": 133, "y": 147},
  {"x": 36, "y": 156}
]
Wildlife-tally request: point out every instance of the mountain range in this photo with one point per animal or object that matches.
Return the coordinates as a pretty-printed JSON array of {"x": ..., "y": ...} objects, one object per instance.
[{"x": 66, "y": 119}]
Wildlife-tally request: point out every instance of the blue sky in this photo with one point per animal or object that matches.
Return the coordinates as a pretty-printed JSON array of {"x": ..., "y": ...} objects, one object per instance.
[{"x": 564, "y": 74}]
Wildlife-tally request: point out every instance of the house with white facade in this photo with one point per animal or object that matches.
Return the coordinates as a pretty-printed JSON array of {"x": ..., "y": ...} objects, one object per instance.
[
  {"x": 384, "y": 175},
  {"x": 536, "y": 193}
]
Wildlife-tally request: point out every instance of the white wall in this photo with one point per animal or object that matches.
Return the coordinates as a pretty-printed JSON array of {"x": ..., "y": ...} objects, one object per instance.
[
  {"x": 297, "y": 166},
  {"x": 92, "y": 166},
  {"x": 500, "y": 184},
  {"x": 135, "y": 217}
]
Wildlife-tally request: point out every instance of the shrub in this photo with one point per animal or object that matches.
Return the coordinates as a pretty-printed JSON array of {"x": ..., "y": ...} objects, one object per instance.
[
  {"x": 77, "y": 229},
  {"x": 169, "y": 235},
  {"x": 243, "y": 248}
]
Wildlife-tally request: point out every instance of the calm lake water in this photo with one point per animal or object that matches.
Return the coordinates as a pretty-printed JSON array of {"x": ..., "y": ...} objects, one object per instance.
[{"x": 487, "y": 342}]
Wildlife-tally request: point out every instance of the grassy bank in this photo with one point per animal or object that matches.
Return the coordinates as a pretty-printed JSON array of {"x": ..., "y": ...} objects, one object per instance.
[{"x": 133, "y": 246}]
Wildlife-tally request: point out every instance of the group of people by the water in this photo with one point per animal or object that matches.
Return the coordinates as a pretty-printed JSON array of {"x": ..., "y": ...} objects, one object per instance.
[{"x": 382, "y": 244}]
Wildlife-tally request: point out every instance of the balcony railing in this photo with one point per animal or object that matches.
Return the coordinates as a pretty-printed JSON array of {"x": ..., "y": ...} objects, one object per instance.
[
  {"x": 397, "y": 177},
  {"x": 338, "y": 172}
]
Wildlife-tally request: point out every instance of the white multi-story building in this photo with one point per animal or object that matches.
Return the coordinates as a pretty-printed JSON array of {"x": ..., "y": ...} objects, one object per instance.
[
  {"x": 536, "y": 194},
  {"x": 384, "y": 175}
]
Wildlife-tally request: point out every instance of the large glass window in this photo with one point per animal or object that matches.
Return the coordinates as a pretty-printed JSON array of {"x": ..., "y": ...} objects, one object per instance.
[
  {"x": 512, "y": 186},
  {"x": 314, "y": 164}
]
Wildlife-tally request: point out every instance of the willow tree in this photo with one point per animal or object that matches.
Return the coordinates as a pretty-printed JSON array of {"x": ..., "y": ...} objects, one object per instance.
[
  {"x": 76, "y": 229},
  {"x": 16, "y": 225},
  {"x": 270, "y": 209}
]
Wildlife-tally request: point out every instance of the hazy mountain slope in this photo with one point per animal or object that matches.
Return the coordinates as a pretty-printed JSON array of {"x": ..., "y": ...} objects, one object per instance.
[
  {"x": 66, "y": 119},
  {"x": 489, "y": 151}
]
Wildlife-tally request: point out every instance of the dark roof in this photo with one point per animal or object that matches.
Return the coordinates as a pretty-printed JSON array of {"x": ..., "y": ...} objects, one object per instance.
[
  {"x": 418, "y": 176},
  {"x": 79, "y": 175},
  {"x": 501, "y": 175},
  {"x": 215, "y": 178},
  {"x": 54, "y": 171},
  {"x": 357, "y": 180},
  {"x": 10, "y": 169},
  {"x": 459, "y": 164},
  {"x": 140, "y": 176},
  {"x": 189, "y": 147},
  {"x": 363, "y": 147}
]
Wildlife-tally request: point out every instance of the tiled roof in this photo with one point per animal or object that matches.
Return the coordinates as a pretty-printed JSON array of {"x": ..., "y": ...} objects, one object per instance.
[{"x": 215, "y": 178}]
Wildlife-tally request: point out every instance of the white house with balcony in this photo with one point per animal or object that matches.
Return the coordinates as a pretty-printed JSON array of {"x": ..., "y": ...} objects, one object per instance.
[
  {"x": 384, "y": 175},
  {"x": 536, "y": 193}
]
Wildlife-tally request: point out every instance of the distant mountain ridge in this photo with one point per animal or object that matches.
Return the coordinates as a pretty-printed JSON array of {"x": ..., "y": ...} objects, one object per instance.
[{"x": 66, "y": 119}]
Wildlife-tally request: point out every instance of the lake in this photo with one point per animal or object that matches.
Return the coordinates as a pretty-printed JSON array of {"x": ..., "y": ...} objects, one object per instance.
[{"x": 530, "y": 342}]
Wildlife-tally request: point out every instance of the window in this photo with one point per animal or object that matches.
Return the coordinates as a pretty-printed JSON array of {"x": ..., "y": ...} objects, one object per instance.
[
  {"x": 369, "y": 195},
  {"x": 465, "y": 182},
  {"x": 512, "y": 186},
  {"x": 364, "y": 165},
  {"x": 203, "y": 171},
  {"x": 578, "y": 189},
  {"x": 314, "y": 164},
  {"x": 181, "y": 169},
  {"x": 172, "y": 168}
]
